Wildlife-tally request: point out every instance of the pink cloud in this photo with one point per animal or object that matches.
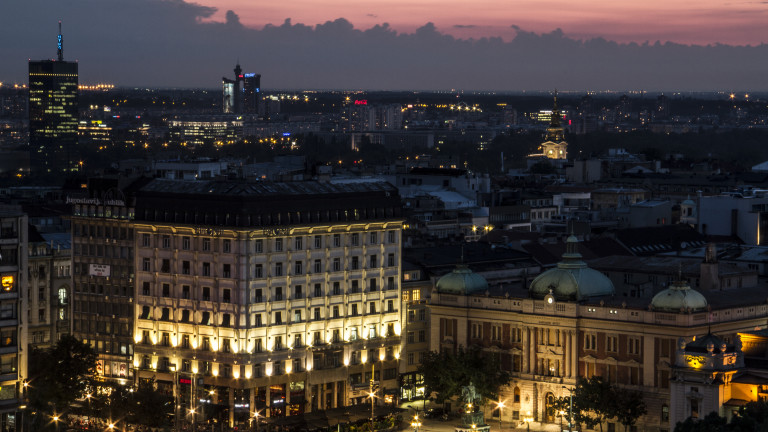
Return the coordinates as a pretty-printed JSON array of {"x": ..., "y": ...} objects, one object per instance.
[{"x": 682, "y": 21}]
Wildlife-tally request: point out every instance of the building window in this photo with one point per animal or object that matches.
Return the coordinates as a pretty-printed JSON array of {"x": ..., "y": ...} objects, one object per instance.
[
  {"x": 226, "y": 320},
  {"x": 206, "y": 244},
  {"x": 392, "y": 236},
  {"x": 336, "y": 240},
  {"x": 665, "y": 413},
  {"x": 185, "y": 243},
  {"x": 166, "y": 290},
  {"x": 166, "y": 266},
  {"x": 373, "y": 238},
  {"x": 258, "y": 246},
  {"x": 318, "y": 290},
  {"x": 206, "y": 269},
  {"x": 590, "y": 342},
  {"x": 335, "y": 311},
  {"x": 390, "y": 305},
  {"x": 611, "y": 344},
  {"x": 316, "y": 313},
  {"x": 278, "y": 293},
  {"x": 258, "y": 271},
  {"x": 278, "y": 269},
  {"x": 336, "y": 288},
  {"x": 145, "y": 288},
  {"x": 185, "y": 316},
  {"x": 226, "y": 296},
  {"x": 298, "y": 268},
  {"x": 298, "y": 243},
  {"x": 227, "y": 246},
  {"x": 297, "y": 292},
  {"x": 257, "y": 296},
  {"x": 185, "y": 341},
  {"x": 166, "y": 242},
  {"x": 354, "y": 310},
  {"x": 391, "y": 260},
  {"x": 278, "y": 245},
  {"x": 206, "y": 293},
  {"x": 185, "y": 267},
  {"x": 633, "y": 345},
  {"x": 373, "y": 262},
  {"x": 318, "y": 266},
  {"x": 372, "y": 284},
  {"x": 145, "y": 264},
  {"x": 336, "y": 264},
  {"x": 372, "y": 307},
  {"x": 318, "y": 242},
  {"x": 166, "y": 314},
  {"x": 355, "y": 239},
  {"x": 297, "y": 316},
  {"x": 227, "y": 270},
  {"x": 278, "y": 318},
  {"x": 496, "y": 333},
  {"x": 477, "y": 331},
  {"x": 145, "y": 240}
]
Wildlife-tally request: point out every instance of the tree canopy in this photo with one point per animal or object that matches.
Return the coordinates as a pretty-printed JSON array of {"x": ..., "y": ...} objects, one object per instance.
[
  {"x": 595, "y": 401},
  {"x": 446, "y": 373}
]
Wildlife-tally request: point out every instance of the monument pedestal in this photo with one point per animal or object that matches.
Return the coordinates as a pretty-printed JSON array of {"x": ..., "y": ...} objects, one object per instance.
[{"x": 481, "y": 428}]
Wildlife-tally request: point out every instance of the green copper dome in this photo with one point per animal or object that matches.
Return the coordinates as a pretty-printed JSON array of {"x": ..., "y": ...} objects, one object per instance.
[
  {"x": 572, "y": 279},
  {"x": 679, "y": 297},
  {"x": 461, "y": 281}
]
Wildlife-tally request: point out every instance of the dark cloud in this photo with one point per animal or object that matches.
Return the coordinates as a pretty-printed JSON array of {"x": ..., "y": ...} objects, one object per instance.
[
  {"x": 465, "y": 26},
  {"x": 171, "y": 43}
]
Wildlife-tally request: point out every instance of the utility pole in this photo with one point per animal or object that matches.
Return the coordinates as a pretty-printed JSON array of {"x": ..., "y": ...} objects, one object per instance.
[{"x": 370, "y": 388}]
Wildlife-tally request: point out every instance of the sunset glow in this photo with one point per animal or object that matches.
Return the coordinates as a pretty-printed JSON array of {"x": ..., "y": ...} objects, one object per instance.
[{"x": 682, "y": 21}]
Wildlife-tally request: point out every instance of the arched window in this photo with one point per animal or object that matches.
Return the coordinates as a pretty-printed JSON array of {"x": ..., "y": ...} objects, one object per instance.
[
  {"x": 517, "y": 395},
  {"x": 62, "y": 296}
]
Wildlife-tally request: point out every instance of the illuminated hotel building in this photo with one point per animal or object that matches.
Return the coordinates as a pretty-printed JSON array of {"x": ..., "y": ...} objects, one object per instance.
[
  {"x": 276, "y": 297},
  {"x": 13, "y": 307},
  {"x": 53, "y": 113}
]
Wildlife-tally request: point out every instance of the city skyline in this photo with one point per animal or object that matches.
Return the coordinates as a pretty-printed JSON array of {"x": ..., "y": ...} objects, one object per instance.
[{"x": 151, "y": 43}]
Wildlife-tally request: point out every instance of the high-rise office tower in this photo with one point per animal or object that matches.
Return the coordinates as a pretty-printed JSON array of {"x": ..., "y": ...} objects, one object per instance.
[
  {"x": 241, "y": 95},
  {"x": 53, "y": 113}
]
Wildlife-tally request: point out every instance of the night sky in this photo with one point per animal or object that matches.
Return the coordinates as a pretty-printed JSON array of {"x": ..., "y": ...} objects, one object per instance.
[{"x": 505, "y": 45}]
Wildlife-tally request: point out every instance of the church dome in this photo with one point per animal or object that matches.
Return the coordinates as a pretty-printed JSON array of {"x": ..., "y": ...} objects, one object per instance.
[
  {"x": 462, "y": 281},
  {"x": 679, "y": 297},
  {"x": 571, "y": 279}
]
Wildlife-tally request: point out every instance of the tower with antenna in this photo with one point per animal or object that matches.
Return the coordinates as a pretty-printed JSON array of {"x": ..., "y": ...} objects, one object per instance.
[{"x": 53, "y": 113}]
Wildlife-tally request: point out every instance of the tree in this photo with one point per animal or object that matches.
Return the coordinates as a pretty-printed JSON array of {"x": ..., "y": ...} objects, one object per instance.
[
  {"x": 150, "y": 407},
  {"x": 59, "y": 375},
  {"x": 710, "y": 423},
  {"x": 627, "y": 406},
  {"x": 446, "y": 373}
]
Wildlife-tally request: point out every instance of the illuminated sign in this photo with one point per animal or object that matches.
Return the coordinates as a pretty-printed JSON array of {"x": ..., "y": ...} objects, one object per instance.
[
  {"x": 7, "y": 282},
  {"x": 239, "y": 76},
  {"x": 361, "y": 102},
  {"x": 185, "y": 381},
  {"x": 286, "y": 134},
  {"x": 249, "y": 75},
  {"x": 59, "y": 44},
  {"x": 99, "y": 270}
]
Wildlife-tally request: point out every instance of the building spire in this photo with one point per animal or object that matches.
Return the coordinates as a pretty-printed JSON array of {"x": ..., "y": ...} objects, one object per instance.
[{"x": 60, "y": 44}]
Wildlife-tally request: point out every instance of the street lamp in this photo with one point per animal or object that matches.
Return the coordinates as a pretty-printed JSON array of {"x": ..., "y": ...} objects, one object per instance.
[
  {"x": 500, "y": 405},
  {"x": 256, "y": 419},
  {"x": 416, "y": 424},
  {"x": 528, "y": 419},
  {"x": 570, "y": 409},
  {"x": 56, "y": 422}
]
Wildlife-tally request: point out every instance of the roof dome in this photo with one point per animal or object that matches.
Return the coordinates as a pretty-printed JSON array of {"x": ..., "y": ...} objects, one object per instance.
[
  {"x": 572, "y": 279},
  {"x": 679, "y": 297},
  {"x": 461, "y": 281}
]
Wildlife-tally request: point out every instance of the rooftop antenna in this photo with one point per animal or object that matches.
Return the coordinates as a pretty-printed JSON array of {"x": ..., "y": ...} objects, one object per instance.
[{"x": 60, "y": 44}]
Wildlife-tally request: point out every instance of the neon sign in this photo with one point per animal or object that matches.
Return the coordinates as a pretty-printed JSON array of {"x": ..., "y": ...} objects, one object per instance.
[
  {"x": 361, "y": 102},
  {"x": 59, "y": 42},
  {"x": 250, "y": 75}
]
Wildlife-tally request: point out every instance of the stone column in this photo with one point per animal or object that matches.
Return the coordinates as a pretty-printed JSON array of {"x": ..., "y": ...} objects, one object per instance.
[
  {"x": 532, "y": 347},
  {"x": 574, "y": 353},
  {"x": 525, "y": 354}
]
